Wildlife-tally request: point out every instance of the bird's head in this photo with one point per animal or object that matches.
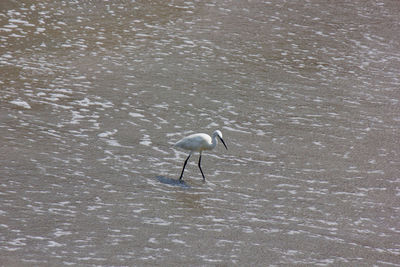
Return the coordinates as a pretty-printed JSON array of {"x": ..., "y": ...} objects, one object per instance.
[{"x": 218, "y": 134}]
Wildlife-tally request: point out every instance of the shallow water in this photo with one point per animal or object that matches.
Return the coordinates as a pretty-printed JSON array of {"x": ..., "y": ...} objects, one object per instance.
[{"x": 94, "y": 95}]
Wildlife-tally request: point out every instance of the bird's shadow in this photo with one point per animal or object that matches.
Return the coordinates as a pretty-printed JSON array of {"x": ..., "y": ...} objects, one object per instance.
[{"x": 172, "y": 182}]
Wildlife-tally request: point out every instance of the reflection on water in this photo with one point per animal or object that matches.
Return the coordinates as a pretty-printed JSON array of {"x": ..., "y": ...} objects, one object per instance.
[
  {"x": 93, "y": 95},
  {"x": 172, "y": 182}
]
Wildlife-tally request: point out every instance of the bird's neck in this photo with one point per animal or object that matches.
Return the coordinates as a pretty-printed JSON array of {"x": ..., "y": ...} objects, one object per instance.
[{"x": 214, "y": 142}]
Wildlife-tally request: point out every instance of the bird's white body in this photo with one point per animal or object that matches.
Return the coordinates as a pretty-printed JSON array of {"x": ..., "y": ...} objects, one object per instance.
[{"x": 198, "y": 143}]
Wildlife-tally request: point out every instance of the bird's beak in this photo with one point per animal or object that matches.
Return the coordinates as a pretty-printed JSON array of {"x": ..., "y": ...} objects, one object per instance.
[{"x": 223, "y": 143}]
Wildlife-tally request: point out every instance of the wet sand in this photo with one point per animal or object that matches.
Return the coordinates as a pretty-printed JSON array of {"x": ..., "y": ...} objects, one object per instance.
[{"x": 94, "y": 95}]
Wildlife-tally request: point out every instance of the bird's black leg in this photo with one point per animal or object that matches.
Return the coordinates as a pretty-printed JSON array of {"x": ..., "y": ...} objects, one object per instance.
[
  {"x": 204, "y": 178},
  {"x": 184, "y": 165}
]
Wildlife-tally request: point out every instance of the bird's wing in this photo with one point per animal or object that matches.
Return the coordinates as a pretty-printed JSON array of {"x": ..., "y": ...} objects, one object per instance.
[{"x": 194, "y": 142}]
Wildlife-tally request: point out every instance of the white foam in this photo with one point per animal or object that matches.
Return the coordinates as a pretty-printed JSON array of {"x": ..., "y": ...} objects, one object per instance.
[
  {"x": 136, "y": 115},
  {"x": 107, "y": 133},
  {"x": 54, "y": 244},
  {"x": 21, "y": 103}
]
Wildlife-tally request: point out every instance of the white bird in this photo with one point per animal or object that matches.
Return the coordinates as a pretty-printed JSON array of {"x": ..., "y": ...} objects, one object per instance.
[{"x": 197, "y": 143}]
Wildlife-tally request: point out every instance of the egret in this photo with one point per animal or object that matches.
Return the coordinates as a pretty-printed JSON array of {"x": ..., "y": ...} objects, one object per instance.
[{"x": 197, "y": 143}]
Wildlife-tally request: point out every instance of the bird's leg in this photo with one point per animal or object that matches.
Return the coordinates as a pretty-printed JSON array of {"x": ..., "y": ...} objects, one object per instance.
[
  {"x": 184, "y": 165},
  {"x": 204, "y": 178}
]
